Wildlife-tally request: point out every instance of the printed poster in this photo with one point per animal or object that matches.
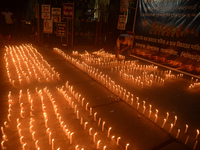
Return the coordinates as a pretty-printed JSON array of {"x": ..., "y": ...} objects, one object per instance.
[
  {"x": 68, "y": 10},
  {"x": 61, "y": 29},
  {"x": 48, "y": 26},
  {"x": 45, "y": 11},
  {"x": 56, "y": 14},
  {"x": 121, "y": 22}
]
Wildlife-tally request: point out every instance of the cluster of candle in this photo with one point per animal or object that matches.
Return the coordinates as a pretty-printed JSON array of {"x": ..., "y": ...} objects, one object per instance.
[
  {"x": 170, "y": 76},
  {"x": 103, "y": 62},
  {"x": 81, "y": 102},
  {"x": 29, "y": 65},
  {"x": 195, "y": 84},
  {"x": 146, "y": 79},
  {"x": 121, "y": 92},
  {"x": 104, "y": 54}
]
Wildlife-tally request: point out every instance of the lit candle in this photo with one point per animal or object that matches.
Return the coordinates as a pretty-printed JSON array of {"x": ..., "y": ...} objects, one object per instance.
[
  {"x": 98, "y": 143},
  {"x": 167, "y": 116},
  {"x": 46, "y": 125},
  {"x": 85, "y": 125},
  {"x": 187, "y": 139},
  {"x": 86, "y": 106},
  {"x": 118, "y": 140},
  {"x": 9, "y": 117},
  {"x": 138, "y": 104},
  {"x": 195, "y": 144},
  {"x": 175, "y": 120},
  {"x": 156, "y": 111},
  {"x": 108, "y": 135},
  {"x": 103, "y": 124},
  {"x": 77, "y": 114},
  {"x": 186, "y": 128},
  {"x": 127, "y": 146},
  {"x": 23, "y": 147},
  {"x": 99, "y": 121},
  {"x": 81, "y": 122},
  {"x": 156, "y": 117},
  {"x": 2, "y": 131},
  {"x": 177, "y": 135},
  {"x": 149, "y": 113},
  {"x": 164, "y": 123},
  {"x": 47, "y": 130},
  {"x": 76, "y": 148},
  {"x": 52, "y": 144},
  {"x": 104, "y": 148},
  {"x": 71, "y": 137},
  {"x": 21, "y": 138},
  {"x": 197, "y": 135},
  {"x": 144, "y": 108},
  {"x": 82, "y": 101},
  {"x": 94, "y": 137},
  {"x": 131, "y": 101},
  {"x": 95, "y": 116},
  {"x": 90, "y": 131},
  {"x": 90, "y": 111},
  {"x": 49, "y": 138},
  {"x": 5, "y": 124},
  {"x": 33, "y": 136},
  {"x": 2, "y": 145},
  {"x": 171, "y": 128}
]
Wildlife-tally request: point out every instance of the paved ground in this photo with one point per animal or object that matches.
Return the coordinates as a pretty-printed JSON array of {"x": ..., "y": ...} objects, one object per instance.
[{"x": 126, "y": 121}]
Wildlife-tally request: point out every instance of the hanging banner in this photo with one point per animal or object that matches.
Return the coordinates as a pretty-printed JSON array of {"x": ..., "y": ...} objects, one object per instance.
[
  {"x": 124, "y": 5},
  {"x": 56, "y": 14},
  {"x": 68, "y": 9},
  {"x": 61, "y": 29},
  {"x": 169, "y": 27},
  {"x": 45, "y": 11},
  {"x": 48, "y": 26},
  {"x": 121, "y": 22}
]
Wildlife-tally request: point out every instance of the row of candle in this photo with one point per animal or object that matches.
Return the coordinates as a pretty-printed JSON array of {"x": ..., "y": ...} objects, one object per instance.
[
  {"x": 27, "y": 64},
  {"x": 194, "y": 85},
  {"x": 102, "y": 53},
  {"x": 85, "y": 106},
  {"x": 101, "y": 78}
]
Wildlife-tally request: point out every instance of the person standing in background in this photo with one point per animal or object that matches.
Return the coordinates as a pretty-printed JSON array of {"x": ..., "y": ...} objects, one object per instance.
[{"x": 8, "y": 23}]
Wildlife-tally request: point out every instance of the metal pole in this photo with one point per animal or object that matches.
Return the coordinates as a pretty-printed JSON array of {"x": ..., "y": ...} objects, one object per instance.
[{"x": 135, "y": 17}]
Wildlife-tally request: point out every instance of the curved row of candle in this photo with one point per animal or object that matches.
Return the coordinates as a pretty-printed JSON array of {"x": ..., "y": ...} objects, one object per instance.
[
  {"x": 120, "y": 91},
  {"x": 29, "y": 65},
  {"x": 85, "y": 105}
]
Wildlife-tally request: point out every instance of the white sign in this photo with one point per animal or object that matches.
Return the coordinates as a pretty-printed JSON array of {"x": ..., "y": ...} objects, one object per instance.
[
  {"x": 56, "y": 14},
  {"x": 121, "y": 22},
  {"x": 46, "y": 12}
]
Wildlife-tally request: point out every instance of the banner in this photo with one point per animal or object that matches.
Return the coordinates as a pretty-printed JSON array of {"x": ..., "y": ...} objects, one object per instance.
[
  {"x": 170, "y": 27},
  {"x": 56, "y": 14},
  {"x": 45, "y": 11},
  {"x": 68, "y": 10},
  {"x": 61, "y": 29},
  {"x": 48, "y": 26}
]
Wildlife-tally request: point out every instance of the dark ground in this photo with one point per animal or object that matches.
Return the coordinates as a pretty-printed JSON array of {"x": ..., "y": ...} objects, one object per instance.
[{"x": 127, "y": 122}]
